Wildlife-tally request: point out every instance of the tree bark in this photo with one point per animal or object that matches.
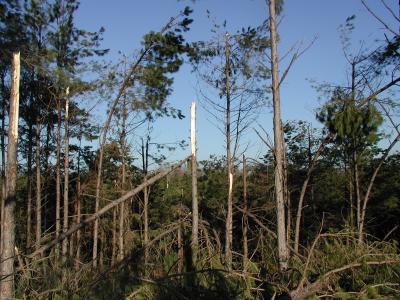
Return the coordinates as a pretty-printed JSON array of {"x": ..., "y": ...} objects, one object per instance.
[
  {"x": 114, "y": 236},
  {"x": 29, "y": 188},
  {"x": 66, "y": 175},
  {"x": 180, "y": 251},
  {"x": 58, "y": 175},
  {"x": 38, "y": 208},
  {"x": 228, "y": 224},
  {"x": 195, "y": 205},
  {"x": 123, "y": 143},
  {"x": 3, "y": 157},
  {"x": 278, "y": 144},
  {"x": 145, "y": 158},
  {"x": 8, "y": 235},
  {"x": 78, "y": 220},
  {"x": 245, "y": 218},
  {"x": 78, "y": 203}
]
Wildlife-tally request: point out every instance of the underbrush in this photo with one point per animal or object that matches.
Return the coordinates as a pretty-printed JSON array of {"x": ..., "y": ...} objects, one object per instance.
[{"x": 335, "y": 266}]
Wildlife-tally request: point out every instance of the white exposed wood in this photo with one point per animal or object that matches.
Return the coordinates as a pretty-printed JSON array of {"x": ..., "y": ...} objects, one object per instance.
[
  {"x": 8, "y": 235},
  {"x": 195, "y": 206}
]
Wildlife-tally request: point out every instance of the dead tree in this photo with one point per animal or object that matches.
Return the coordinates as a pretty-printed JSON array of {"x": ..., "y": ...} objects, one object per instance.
[
  {"x": 103, "y": 136},
  {"x": 108, "y": 207},
  {"x": 195, "y": 205},
  {"x": 8, "y": 234},
  {"x": 283, "y": 252}
]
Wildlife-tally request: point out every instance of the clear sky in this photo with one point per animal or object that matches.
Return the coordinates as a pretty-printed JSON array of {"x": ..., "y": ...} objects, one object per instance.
[{"x": 126, "y": 21}]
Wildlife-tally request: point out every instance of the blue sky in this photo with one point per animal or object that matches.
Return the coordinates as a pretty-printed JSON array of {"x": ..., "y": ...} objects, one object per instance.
[{"x": 126, "y": 21}]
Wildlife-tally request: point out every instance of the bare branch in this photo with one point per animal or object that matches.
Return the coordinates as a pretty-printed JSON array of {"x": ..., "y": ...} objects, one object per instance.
[{"x": 378, "y": 18}]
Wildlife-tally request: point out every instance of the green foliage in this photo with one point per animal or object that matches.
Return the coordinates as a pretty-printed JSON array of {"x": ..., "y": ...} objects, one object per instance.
[{"x": 353, "y": 124}]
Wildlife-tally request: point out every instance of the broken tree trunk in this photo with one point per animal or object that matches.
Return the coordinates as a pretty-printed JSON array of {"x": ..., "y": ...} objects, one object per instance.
[
  {"x": 195, "y": 205},
  {"x": 283, "y": 252},
  {"x": 108, "y": 207},
  {"x": 8, "y": 234},
  {"x": 229, "y": 222}
]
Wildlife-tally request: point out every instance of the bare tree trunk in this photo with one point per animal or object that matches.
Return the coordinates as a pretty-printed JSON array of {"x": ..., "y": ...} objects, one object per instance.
[
  {"x": 58, "y": 175},
  {"x": 145, "y": 157},
  {"x": 66, "y": 174},
  {"x": 351, "y": 191},
  {"x": 121, "y": 232},
  {"x": 180, "y": 251},
  {"x": 8, "y": 235},
  {"x": 46, "y": 172},
  {"x": 357, "y": 188},
  {"x": 245, "y": 218},
  {"x": 123, "y": 183},
  {"x": 78, "y": 220},
  {"x": 29, "y": 188},
  {"x": 195, "y": 205},
  {"x": 289, "y": 221},
  {"x": 114, "y": 236},
  {"x": 228, "y": 224},
  {"x": 3, "y": 158},
  {"x": 38, "y": 208},
  {"x": 78, "y": 202},
  {"x": 102, "y": 246},
  {"x": 278, "y": 145},
  {"x": 370, "y": 185},
  {"x": 311, "y": 168},
  {"x": 146, "y": 218}
]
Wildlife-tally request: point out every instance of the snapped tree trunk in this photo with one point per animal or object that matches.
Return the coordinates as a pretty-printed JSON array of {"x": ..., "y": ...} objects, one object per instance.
[
  {"x": 103, "y": 138},
  {"x": 195, "y": 205},
  {"x": 8, "y": 235},
  {"x": 228, "y": 223},
  {"x": 108, "y": 207},
  {"x": 278, "y": 144}
]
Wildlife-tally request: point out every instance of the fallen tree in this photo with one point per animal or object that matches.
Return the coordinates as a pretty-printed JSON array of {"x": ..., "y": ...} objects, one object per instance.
[{"x": 108, "y": 207}]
